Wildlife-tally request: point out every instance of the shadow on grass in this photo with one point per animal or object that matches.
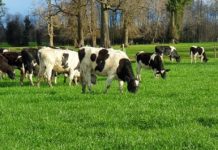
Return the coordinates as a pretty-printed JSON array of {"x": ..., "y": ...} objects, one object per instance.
[
  {"x": 207, "y": 122},
  {"x": 154, "y": 123}
]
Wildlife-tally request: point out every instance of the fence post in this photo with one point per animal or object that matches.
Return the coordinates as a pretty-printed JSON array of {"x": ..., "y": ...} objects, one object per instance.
[{"x": 215, "y": 45}]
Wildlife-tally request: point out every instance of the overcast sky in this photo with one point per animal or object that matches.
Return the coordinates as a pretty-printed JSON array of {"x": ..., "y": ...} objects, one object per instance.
[{"x": 23, "y": 7}]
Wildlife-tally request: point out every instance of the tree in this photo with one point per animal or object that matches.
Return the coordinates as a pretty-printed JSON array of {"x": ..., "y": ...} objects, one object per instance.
[
  {"x": 130, "y": 9},
  {"x": 2, "y": 9},
  {"x": 72, "y": 9},
  {"x": 50, "y": 21},
  {"x": 93, "y": 22},
  {"x": 176, "y": 10},
  {"x": 26, "y": 32},
  {"x": 106, "y": 6},
  {"x": 14, "y": 31}
]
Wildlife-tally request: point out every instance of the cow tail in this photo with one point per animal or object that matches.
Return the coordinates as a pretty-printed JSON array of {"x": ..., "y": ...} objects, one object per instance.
[{"x": 39, "y": 55}]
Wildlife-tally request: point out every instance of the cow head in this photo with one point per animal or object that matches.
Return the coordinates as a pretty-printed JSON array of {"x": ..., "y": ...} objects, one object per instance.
[
  {"x": 132, "y": 85},
  {"x": 11, "y": 74},
  {"x": 163, "y": 73},
  {"x": 205, "y": 59},
  {"x": 175, "y": 55}
]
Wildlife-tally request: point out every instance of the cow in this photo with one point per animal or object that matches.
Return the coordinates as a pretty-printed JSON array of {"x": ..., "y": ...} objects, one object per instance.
[
  {"x": 169, "y": 51},
  {"x": 60, "y": 61},
  {"x": 15, "y": 60},
  {"x": 150, "y": 60},
  {"x": 31, "y": 62},
  {"x": 196, "y": 51},
  {"x": 114, "y": 64},
  {"x": 3, "y": 50},
  {"x": 6, "y": 68}
]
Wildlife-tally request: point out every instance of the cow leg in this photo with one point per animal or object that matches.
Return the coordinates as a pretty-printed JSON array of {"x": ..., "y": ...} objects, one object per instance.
[
  {"x": 65, "y": 78},
  {"x": 108, "y": 83},
  {"x": 89, "y": 83},
  {"x": 202, "y": 57},
  {"x": 171, "y": 58},
  {"x": 191, "y": 57},
  {"x": 22, "y": 74},
  {"x": 40, "y": 74},
  {"x": 195, "y": 58},
  {"x": 83, "y": 87},
  {"x": 31, "y": 78},
  {"x": 121, "y": 83},
  {"x": 71, "y": 76},
  {"x": 83, "y": 82},
  {"x": 161, "y": 56},
  {"x": 138, "y": 71},
  {"x": 49, "y": 75},
  {"x": 76, "y": 80}
]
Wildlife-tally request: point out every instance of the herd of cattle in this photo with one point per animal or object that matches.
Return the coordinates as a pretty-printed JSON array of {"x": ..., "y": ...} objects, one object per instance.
[{"x": 48, "y": 62}]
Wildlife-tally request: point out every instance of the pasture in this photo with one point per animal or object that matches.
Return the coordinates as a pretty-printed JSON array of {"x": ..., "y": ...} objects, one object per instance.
[{"x": 180, "y": 112}]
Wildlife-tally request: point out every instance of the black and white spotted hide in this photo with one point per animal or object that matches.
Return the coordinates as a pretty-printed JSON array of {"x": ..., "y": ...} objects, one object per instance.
[
  {"x": 150, "y": 60},
  {"x": 196, "y": 51},
  {"x": 168, "y": 51},
  {"x": 65, "y": 60},
  {"x": 100, "y": 61},
  {"x": 114, "y": 64}
]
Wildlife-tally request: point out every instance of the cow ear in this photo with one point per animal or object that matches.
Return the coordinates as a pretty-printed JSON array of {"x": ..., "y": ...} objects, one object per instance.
[{"x": 167, "y": 70}]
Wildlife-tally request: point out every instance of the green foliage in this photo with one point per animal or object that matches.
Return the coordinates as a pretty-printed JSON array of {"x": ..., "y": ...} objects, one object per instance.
[
  {"x": 26, "y": 32},
  {"x": 14, "y": 32},
  {"x": 177, "y": 113},
  {"x": 176, "y": 10}
]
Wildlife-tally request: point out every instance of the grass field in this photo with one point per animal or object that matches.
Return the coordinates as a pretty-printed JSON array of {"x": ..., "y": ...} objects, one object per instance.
[{"x": 180, "y": 112}]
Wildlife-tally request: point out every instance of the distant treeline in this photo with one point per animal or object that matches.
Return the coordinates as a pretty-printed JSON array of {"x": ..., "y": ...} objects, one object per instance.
[{"x": 149, "y": 22}]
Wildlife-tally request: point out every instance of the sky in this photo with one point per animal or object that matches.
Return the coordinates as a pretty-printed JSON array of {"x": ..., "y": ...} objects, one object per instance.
[{"x": 23, "y": 7}]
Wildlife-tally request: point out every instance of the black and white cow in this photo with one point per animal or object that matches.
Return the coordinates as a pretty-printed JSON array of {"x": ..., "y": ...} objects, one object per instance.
[
  {"x": 169, "y": 51},
  {"x": 15, "y": 60},
  {"x": 6, "y": 68},
  {"x": 60, "y": 61},
  {"x": 31, "y": 62},
  {"x": 196, "y": 51},
  {"x": 150, "y": 60},
  {"x": 114, "y": 64},
  {"x": 3, "y": 50}
]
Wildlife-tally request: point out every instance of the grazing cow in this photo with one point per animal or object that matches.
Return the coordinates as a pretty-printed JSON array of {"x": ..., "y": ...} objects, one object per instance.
[
  {"x": 5, "y": 67},
  {"x": 3, "y": 50},
  {"x": 151, "y": 60},
  {"x": 169, "y": 51},
  {"x": 114, "y": 64},
  {"x": 196, "y": 51},
  {"x": 15, "y": 59},
  {"x": 30, "y": 61},
  {"x": 60, "y": 61}
]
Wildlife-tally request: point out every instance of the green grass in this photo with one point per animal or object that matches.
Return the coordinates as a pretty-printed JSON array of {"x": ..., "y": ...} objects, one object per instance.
[{"x": 180, "y": 112}]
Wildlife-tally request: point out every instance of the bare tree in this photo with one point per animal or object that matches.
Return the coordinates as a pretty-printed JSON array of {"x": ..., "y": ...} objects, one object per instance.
[
  {"x": 74, "y": 8},
  {"x": 47, "y": 15}
]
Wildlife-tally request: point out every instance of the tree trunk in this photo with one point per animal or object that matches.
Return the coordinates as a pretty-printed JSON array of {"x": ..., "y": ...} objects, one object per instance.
[
  {"x": 125, "y": 32},
  {"x": 105, "y": 39},
  {"x": 51, "y": 31},
  {"x": 173, "y": 32},
  {"x": 93, "y": 23},
  {"x": 50, "y": 24},
  {"x": 80, "y": 26}
]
